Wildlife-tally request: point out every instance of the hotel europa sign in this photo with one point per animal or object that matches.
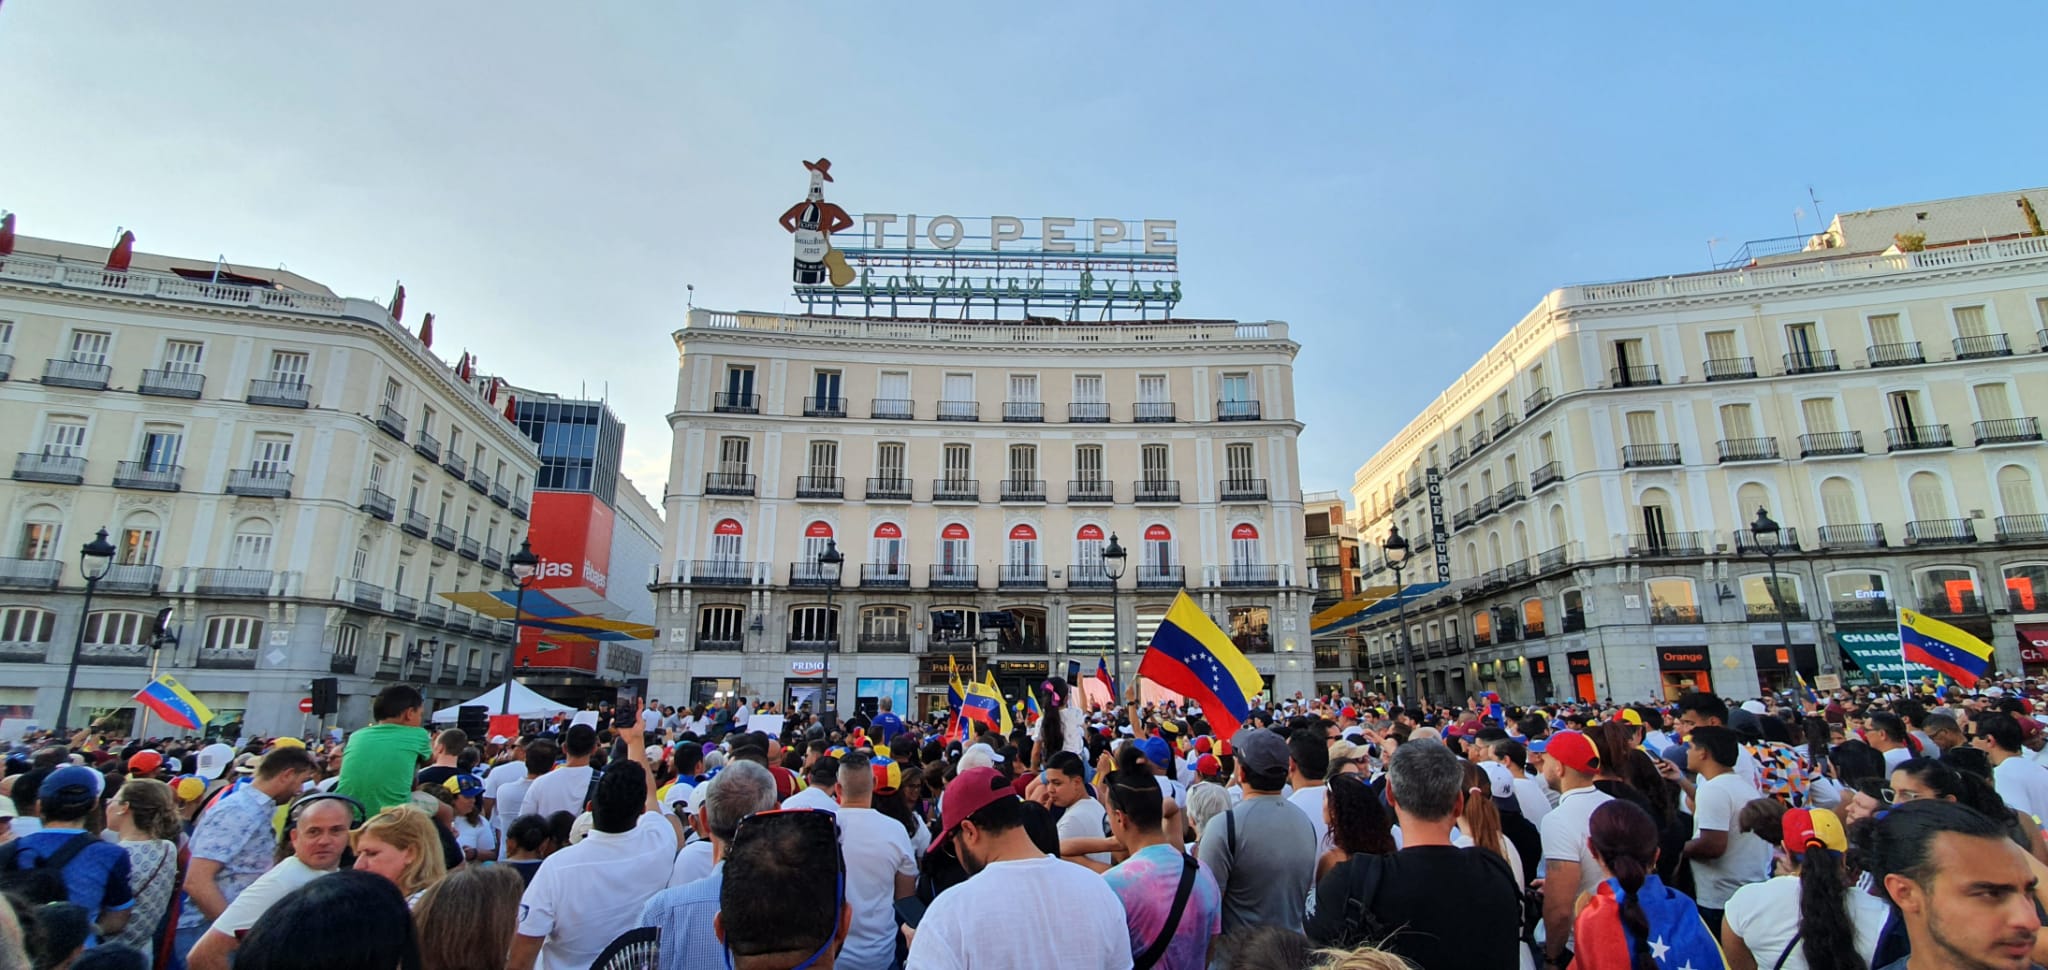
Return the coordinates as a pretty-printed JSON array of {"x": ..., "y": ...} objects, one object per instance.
[{"x": 968, "y": 267}]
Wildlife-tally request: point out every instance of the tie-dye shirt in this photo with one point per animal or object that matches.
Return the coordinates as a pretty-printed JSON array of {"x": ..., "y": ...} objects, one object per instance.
[{"x": 1146, "y": 883}]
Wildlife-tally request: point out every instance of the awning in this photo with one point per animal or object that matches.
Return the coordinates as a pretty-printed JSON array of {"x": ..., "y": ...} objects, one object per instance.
[
  {"x": 525, "y": 703},
  {"x": 1387, "y": 602},
  {"x": 573, "y": 615}
]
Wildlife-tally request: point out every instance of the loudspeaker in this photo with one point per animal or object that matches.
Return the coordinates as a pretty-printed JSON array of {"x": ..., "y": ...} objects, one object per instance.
[
  {"x": 475, "y": 721},
  {"x": 326, "y": 696},
  {"x": 998, "y": 620}
]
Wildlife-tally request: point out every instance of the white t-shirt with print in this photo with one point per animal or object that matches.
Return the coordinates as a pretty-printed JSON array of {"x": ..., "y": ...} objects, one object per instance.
[
  {"x": 577, "y": 896},
  {"x": 876, "y": 850}
]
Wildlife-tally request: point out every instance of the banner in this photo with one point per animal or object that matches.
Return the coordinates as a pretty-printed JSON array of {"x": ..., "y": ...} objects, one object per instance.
[
  {"x": 2033, "y": 642},
  {"x": 1877, "y": 652}
]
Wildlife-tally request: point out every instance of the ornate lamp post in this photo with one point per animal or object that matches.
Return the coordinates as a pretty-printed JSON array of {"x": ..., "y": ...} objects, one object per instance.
[
  {"x": 524, "y": 564},
  {"x": 1114, "y": 559},
  {"x": 829, "y": 563},
  {"x": 1770, "y": 541},
  {"x": 95, "y": 558},
  {"x": 1396, "y": 550}
]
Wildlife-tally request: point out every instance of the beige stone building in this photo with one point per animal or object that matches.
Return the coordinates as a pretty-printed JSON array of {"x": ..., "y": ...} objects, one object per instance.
[
  {"x": 964, "y": 469},
  {"x": 291, "y": 470},
  {"x": 1602, "y": 462}
]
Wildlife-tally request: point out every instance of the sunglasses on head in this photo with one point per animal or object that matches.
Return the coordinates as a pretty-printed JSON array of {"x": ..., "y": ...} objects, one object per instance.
[{"x": 823, "y": 824}]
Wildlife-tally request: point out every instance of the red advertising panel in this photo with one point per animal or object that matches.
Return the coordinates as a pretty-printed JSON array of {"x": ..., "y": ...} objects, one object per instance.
[
  {"x": 818, "y": 530},
  {"x": 1089, "y": 533},
  {"x": 571, "y": 532},
  {"x": 953, "y": 531},
  {"x": 1158, "y": 533},
  {"x": 2033, "y": 643},
  {"x": 1244, "y": 531},
  {"x": 888, "y": 530},
  {"x": 1023, "y": 533}
]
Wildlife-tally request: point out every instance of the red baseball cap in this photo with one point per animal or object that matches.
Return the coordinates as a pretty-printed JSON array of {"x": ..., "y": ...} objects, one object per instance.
[
  {"x": 1574, "y": 751},
  {"x": 1203, "y": 745},
  {"x": 144, "y": 762},
  {"x": 1208, "y": 767},
  {"x": 1350, "y": 712},
  {"x": 974, "y": 790}
]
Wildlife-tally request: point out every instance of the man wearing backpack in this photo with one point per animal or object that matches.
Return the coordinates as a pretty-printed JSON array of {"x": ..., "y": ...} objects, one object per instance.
[{"x": 62, "y": 862}]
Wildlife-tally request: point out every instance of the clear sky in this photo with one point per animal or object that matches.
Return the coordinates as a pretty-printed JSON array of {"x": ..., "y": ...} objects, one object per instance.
[{"x": 1401, "y": 182}]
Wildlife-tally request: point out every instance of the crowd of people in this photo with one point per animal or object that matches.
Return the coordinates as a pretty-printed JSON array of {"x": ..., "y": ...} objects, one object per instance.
[{"x": 1891, "y": 827}]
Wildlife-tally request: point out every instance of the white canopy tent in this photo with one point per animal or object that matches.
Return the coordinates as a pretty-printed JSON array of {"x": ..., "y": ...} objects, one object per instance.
[{"x": 525, "y": 703}]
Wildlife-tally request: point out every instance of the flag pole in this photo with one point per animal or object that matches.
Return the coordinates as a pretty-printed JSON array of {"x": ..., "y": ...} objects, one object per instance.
[{"x": 142, "y": 731}]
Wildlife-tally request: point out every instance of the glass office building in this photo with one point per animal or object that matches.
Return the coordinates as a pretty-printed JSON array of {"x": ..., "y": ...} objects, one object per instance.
[{"x": 579, "y": 444}]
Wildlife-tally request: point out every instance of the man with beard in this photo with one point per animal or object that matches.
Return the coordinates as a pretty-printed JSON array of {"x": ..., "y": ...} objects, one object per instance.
[
  {"x": 1960, "y": 887},
  {"x": 1044, "y": 901}
]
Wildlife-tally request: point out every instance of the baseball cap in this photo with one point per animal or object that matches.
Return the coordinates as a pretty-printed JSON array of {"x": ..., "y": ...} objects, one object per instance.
[
  {"x": 286, "y": 743},
  {"x": 1260, "y": 751},
  {"x": 466, "y": 786},
  {"x": 1574, "y": 751},
  {"x": 1204, "y": 746},
  {"x": 888, "y": 775},
  {"x": 499, "y": 739},
  {"x": 71, "y": 785},
  {"x": 188, "y": 788},
  {"x": 979, "y": 756},
  {"x": 1500, "y": 784},
  {"x": 144, "y": 762},
  {"x": 1350, "y": 712},
  {"x": 974, "y": 790},
  {"x": 1156, "y": 751},
  {"x": 1814, "y": 826},
  {"x": 1207, "y": 766},
  {"x": 1629, "y": 715},
  {"x": 212, "y": 759},
  {"x": 1754, "y": 707}
]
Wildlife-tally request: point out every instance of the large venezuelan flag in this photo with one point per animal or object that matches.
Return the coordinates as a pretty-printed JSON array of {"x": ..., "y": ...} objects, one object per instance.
[
  {"x": 1191, "y": 655},
  {"x": 172, "y": 702},
  {"x": 1932, "y": 643}
]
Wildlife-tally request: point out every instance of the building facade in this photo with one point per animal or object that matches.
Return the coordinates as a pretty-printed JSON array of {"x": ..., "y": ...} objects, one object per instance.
[
  {"x": 1601, "y": 465},
  {"x": 965, "y": 470},
  {"x": 291, "y": 470}
]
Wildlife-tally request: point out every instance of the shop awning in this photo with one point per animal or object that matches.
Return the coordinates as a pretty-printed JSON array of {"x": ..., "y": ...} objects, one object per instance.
[
  {"x": 1368, "y": 606},
  {"x": 572, "y": 615}
]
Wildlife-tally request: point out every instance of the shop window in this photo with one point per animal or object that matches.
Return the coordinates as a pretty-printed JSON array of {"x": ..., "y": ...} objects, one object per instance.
[
  {"x": 2026, "y": 587},
  {"x": 1859, "y": 595},
  {"x": 1948, "y": 591},
  {"x": 1672, "y": 601},
  {"x": 1762, "y": 608},
  {"x": 1249, "y": 629},
  {"x": 1482, "y": 629},
  {"x": 1532, "y": 618}
]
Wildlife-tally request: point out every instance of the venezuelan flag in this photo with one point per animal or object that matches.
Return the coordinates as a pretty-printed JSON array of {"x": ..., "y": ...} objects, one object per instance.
[
  {"x": 1102, "y": 675},
  {"x": 1031, "y": 712},
  {"x": 172, "y": 702},
  {"x": 1192, "y": 656},
  {"x": 1932, "y": 643},
  {"x": 954, "y": 692},
  {"x": 985, "y": 707},
  {"x": 1007, "y": 725}
]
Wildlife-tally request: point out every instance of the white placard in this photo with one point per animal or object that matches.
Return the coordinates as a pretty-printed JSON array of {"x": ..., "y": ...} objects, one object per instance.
[{"x": 768, "y": 724}]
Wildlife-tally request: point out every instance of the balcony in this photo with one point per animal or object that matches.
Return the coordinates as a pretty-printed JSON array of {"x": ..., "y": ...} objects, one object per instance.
[
  {"x": 820, "y": 487},
  {"x": 1255, "y": 575},
  {"x": 51, "y": 469},
  {"x": 1152, "y": 412},
  {"x": 824, "y": 407},
  {"x": 1026, "y": 491},
  {"x": 404, "y": 605},
  {"x": 1549, "y": 473},
  {"x": 469, "y": 549},
  {"x": 955, "y": 576},
  {"x": 1674, "y": 615},
  {"x": 114, "y": 654},
  {"x": 2010, "y": 431},
  {"x": 1508, "y": 495},
  {"x": 444, "y": 537},
  {"x": 1536, "y": 400},
  {"x": 892, "y": 409},
  {"x": 1400, "y": 498},
  {"x": 65, "y": 372},
  {"x": 1967, "y": 348},
  {"x": 500, "y": 495},
  {"x": 2040, "y": 340},
  {"x": 1012, "y": 576},
  {"x": 1089, "y": 575},
  {"x": 454, "y": 465},
  {"x": 434, "y": 613},
  {"x": 1480, "y": 439},
  {"x": 734, "y": 645},
  {"x": 1637, "y": 375},
  {"x": 172, "y": 383},
  {"x": 520, "y": 508},
  {"x": 1152, "y": 576},
  {"x": 721, "y": 572},
  {"x": 1660, "y": 545},
  {"x": 1876, "y": 609},
  {"x": 1091, "y": 492},
  {"x": 427, "y": 446},
  {"x": 280, "y": 394},
  {"x": 492, "y": 558},
  {"x": 802, "y": 646},
  {"x": 1156, "y": 493},
  {"x": 343, "y": 663},
  {"x": 1237, "y": 411},
  {"x": 959, "y": 411},
  {"x": 728, "y": 483},
  {"x": 390, "y": 421},
  {"x": 1769, "y": 613},
  {"x": 1242, "y": 489},
  {"x": 885, "y": 575},
  {"x": 414, "y": 524},
  {"x": 260, "y": 482},
  {"x": 1484, "y": 507},
  {"x": 479, "y": 482},
  {"x": 227, "y": 658},
  {"x": 1864, "y": 535},
  {"x": 233, "y": 582},
  {"x": 369, "y": 596},
  {"x": 1896, "y": 355},
  {"x": 1966, "y": 604},
  {"x": 378, "y": 504},
  {"x": 1502, "y": 424},
  {"x": 1458, "y": 456},
  {"x": 956, "y": 490},
  {"x": 1811, "y": 362},
  {"x": 880, "y": 643},
  {"x": 2022, "y": 528},
  {"x": 1829, "y": 443},
  {"x": 1552, "y": 559},
  {"x": 729, "y": 402},
  {"x": 1730, "y": 368},
  {"x": 1941, "y": 532},
  {"x": 1746, "y": 542},
  {"x": 1026, "y": 411},
  {"x": 813, "y": 575},
  {"x": 1088, "y": 412},
  {"x": 1747, "y": 449},
  {"x": 148, "y": 476},
  {"x": 888, "y": 490},
  {"x": 6, "y": 366},
  {"x": 30, "y": 573},
  {"x": 1649, "y": 456},
  {"x": 1462, "y": 519},
  {"x": 132, "y": 578},
  {"x": 1918, "y": 437}
]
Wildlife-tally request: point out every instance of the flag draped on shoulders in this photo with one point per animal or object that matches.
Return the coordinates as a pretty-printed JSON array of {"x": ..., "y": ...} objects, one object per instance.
[
  {"x": 1192, "y": 656},
  {"x": 1677, "y": 939}
]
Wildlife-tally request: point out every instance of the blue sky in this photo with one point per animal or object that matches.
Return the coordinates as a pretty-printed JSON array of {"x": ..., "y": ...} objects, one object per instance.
[{"x": 1399, "y": 182}]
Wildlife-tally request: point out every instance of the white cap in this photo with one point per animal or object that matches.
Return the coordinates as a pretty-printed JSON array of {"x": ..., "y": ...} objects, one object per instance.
[
  {"x": 581, "y": 828},
  {"x": 1502, "y": 780},
  {"x": 1754, "y": 707},
  {"x": 696, "y": 800},
  {"x": 212, "y": 759},
  {"x": 499, "y": 739},
  {"x": 1994, "y": 692},
  {"x": 979, "y": 756}
]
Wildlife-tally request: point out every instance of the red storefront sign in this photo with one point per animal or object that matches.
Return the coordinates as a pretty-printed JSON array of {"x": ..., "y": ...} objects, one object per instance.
[
  {"x": 1089, "y": 533},
  {"x": 2033, "y": 643}
]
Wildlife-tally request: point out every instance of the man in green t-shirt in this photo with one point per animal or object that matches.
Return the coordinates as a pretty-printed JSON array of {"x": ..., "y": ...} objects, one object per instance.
[{"x": 378, "y": 762}]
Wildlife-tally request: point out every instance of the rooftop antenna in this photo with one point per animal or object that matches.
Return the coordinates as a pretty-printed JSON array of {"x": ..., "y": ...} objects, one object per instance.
[
  {"x": 1713, "y": 261},
  {"x": 691, "y": 299},
  {"x": 1816, "y": 206}
]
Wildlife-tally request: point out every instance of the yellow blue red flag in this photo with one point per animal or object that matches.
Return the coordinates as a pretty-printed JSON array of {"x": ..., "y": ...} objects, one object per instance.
[
  {"x": 1932, "y": 643},
  {"x": 1192, "y": 656},
  {"x": 172, "y": 702}
]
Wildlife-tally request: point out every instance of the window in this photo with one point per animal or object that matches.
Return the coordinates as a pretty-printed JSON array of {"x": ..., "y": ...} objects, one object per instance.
[
  {"x": 1838, "y": 502},
  {"x": 160, "y": 446},
  {"x": 2016, "y": 491},
  {"x": 454, "y": 441},
  {"x": 1152, "y": 463},
  {"x": 959, "y": 389},
  {"x": 1152, "y": 389},
  {"x": 1088, "y": 389},
  {"x": 1482, "y": 628},
  {"x": 1757, "y": 601},
  {"x": 885, "y": 548},
  {"x": 1023, "y": 465},
  {"x": 1737, "y": 421},
  {"x": 817, "y": 538},
  {"x": 1655, "y": 521},
  {"x": 825, "y": 389},
  {"x": 894, "y": 387},
  {"x": 1905, "y": 411},
  {"x": 138, "y": 540},
  {"x": 476, "y": 461},
  {"x": 272, "y": 455},
  {"x": 1971, "y": 322},
  {"x": 1993, "y": 402},
  {"x": 885, "y": 623},
  {"x": 1024, "y": 388},
  {"x": 360, "y": 562},
  {"x": 1088, "y": 464},
  {"x": 250, "y": 547},
  {"x": 1537, "y": 384},
  {"x": 6, "y": 334},
  {"x": 1574, "y": 603},
  {"x": 824, "y": 459},
  {"x": 393, "y": 652},
  {"x": 394, "y": 393},
  {"x": 1244, "y": 545},
  {"x": 64, "y": 437},
  {"x": 955, "y": 553},
  {"x": 1885, "y": 330},
  {"x": 426, "y": 419},
  {"x": 2026, "y": 587},
  {"x": 1948, "y": 591},
  {"x": 1642, "y": 428},
  {"x": 739, "y": 384},
  {"x": 288, "y": 367},
  {"x": 1671, "y": 600},
  {"x": 1721, "y": 345},
  {"x": 1237, "y": 463},
  {"x": 889, "y": 461},
  {"x": 90, "y": 347},
  {"x": 40, "y": 532},
  {"x": 1859, "y": 594},
  {"x": 24, "y": 624},
  {"x": 1088, "y": 547},
  {"x": 1532, "y": 617},
  {"x": 233, "y": 633},
  {"x": 958, "y": 463},
  {"x": 727, "y": 541},
  {"x": 1801, "y": 341},
  {"x": 814, "y": 625},
  {"x": 1249, "y": 626},
  {"x": 1546, "y": 447},
  {"x": 1628, "y": 356},
  {"x": 732, "y": 456},
  {"x": 117, "y": 628},
  {"x": 1819, "y": 413},
  {"x": 1158, "y": 550},
  {"x": 1930, "y": 500},
  {"x": 182, "y": 356},
  {"x": 1023, "y": 547},
  {"x": 721, "y": 624},
  {"x": 1237, "y": 388}
]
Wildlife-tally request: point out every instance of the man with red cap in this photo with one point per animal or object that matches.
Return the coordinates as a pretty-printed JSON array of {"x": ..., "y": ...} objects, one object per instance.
[{"x": 1569, "y": 764}]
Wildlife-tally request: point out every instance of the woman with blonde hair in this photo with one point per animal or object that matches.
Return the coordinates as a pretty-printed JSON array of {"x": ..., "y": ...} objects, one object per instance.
[
  {"x": 145, "y": 813},
  {"x": 466, "y": 921},
  {"x": 403, "y": 845}
]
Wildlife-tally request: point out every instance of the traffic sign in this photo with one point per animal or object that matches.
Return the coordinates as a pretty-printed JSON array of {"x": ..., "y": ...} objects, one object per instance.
[{"x": 305, "y": 705}]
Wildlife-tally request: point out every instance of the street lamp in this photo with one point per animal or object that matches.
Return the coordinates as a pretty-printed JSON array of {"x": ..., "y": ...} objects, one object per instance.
[
  {"x": 94, "y": 560},
  {"x": 1770, "y": 541},
  {"x": 829, "y": 562},
  {"x": 1113, "y": 561},
  {"x": 524, "y": 565},
  {"x": 1396, "y": 550}
]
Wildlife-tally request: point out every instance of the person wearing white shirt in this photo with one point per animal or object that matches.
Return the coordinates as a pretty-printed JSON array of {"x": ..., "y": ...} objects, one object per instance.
[
  {"x": 510, "y": 770},
  {"x": 1308, "y": 759},
  {"x": 823, "y": 790},
  {"x": 572, "y": 908},
  {"x": 564, "y": 789},
  {"x": 1724, "y": 858},
  {"x": 540, "y": 759},
  {"x": 881, "y": 867},
  {"x": 1531, "y": 796},
  {"x": 1083, "y": 825},
  {"x": 318, "y": 835},
  {"x": 1571, "y": 870},
  {"x": 2022, "y": 782}
]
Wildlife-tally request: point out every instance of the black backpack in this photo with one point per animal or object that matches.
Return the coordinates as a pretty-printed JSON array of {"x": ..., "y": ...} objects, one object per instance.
[{"x": 42, "y": 880}]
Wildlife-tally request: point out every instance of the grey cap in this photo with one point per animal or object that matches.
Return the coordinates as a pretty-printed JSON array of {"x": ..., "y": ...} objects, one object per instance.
[{"x": 1260, "y": 751}]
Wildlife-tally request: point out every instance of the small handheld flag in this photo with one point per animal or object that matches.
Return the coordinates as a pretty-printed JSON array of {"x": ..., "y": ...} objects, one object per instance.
[
  {"x": 1192, "y": 656},
  {"x": 955, "y": 693},
  {"x": 990, "y": 678},
  {"x": 169, "y": 700},
  {"x": 1102, "y": 675},
  {"x": 1931, "y": 643}
]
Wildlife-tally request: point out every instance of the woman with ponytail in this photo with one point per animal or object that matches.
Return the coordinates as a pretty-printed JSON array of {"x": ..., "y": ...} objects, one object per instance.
[
  {"x": 1633, "y": 921},
  {"x": 1813, "y": 917}
]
